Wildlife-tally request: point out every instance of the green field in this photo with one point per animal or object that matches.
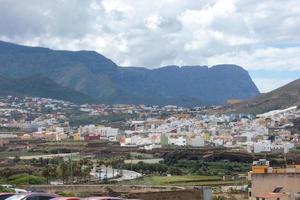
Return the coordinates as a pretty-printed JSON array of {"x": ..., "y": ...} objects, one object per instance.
[{"x": 181, "y": 181}]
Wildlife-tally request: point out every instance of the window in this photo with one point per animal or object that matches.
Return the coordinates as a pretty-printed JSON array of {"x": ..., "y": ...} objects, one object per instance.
[
  {"x": 32, "y": 198},
  {"x": 16, "y": 197},
  {"x": 277, "y": 189},
  {"x": 39, "y": 197},
  {"x": 5, "y": 196},
  {"x": 45, "y": 197}
]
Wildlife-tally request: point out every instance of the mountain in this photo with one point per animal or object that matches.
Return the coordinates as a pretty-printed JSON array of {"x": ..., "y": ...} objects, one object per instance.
[
  {"x": 281, "y": 98},
  {"x": 100, "y": 78},
  {"x": 39, "y": 86}
]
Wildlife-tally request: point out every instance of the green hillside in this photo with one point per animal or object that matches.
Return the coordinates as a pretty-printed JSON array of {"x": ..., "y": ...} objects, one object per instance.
[{"x": 39, "y": 86}]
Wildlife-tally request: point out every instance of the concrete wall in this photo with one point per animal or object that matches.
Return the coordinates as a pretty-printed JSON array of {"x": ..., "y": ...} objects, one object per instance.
[{"x": 265, "y": 183}]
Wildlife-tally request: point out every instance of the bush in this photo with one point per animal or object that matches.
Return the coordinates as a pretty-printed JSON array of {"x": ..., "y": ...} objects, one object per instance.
[
  {"x": 66, "y": 194},
  {"x": 3, "y": 189},
  {"x": 23, "y": 179}
]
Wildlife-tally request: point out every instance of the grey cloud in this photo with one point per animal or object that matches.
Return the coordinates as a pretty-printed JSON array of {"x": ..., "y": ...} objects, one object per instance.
[{"x": 247, "y": 34}]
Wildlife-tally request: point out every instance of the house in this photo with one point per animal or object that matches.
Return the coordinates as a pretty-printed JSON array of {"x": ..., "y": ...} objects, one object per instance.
[{"x": 274, "y": 183}]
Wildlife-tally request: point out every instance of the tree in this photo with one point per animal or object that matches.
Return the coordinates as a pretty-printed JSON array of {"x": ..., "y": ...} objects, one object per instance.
[
  {"x": 49, "y": 172},
  {"x": 86, "y": 167},
  {"x": 46, "y": 173},
  {"x": 64, "y": 172},
  {"x": 17, "y": 159},
  {"x": 100, "y": 163}
]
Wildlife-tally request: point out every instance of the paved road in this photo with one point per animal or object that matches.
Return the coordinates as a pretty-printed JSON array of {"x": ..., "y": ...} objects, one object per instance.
[
  {"x": 46, "y": 156},
  {"x": 127, "y": 174}
]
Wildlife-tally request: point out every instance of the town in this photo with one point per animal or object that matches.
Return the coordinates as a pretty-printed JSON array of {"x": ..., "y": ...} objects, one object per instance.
[
  {"x": 142, "y": 145},
  {"x": 146, "y": 127}
]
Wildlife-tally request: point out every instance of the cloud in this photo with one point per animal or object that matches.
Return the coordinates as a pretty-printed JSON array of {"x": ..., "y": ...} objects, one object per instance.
[{"x": 252, "y": 33}]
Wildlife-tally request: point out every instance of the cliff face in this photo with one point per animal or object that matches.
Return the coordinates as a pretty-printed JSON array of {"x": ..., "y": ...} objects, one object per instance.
[{"x": 101, "y": 79}]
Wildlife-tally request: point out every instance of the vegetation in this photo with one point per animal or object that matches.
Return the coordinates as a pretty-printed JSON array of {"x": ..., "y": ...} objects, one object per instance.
[
  {"x": 181, "y": 181},
  {"x": 4, "y": 190},
  {"x": 103, "y": 80},
  {"x": 281, "y": 98},
  {"x": 22, "y": 179},
  {"x": 37, "y": 85},
  {"x": 84, "y": 119},
  {"x": 184, "y": 167},
  {"x": 176, "y": 169},
  {"x": 9, "y": 129},
  {"x": 66, "y": 194}
]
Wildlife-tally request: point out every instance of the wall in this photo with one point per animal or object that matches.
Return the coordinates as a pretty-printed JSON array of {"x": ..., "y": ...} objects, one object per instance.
[
  {"x": 137, "y": 192},
  {"x": 265, "y": 183}
]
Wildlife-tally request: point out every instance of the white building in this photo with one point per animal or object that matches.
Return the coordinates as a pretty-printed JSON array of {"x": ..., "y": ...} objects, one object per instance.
[
  {"x": 178, "y": 141},
  {"x": 196, "y": 141}
]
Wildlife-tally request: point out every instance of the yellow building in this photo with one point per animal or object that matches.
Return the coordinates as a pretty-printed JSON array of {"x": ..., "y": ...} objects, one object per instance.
[
  {"x": 206, "y": 136},
  {"x": 77, "y": 137}
]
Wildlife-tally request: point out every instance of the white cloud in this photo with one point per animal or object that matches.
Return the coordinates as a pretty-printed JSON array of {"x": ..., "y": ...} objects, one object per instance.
[
  {"x": 153, "y": 22},
  {"x": 267, "y": 58},
  {"x": 252, "y": 33},
  {"x": 116, "y": 5}
]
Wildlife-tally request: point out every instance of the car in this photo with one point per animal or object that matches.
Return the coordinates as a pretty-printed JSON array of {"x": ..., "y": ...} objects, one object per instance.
[
  {"x": 4, "y": 196},
  {"x": 104, "y": 198},
  {"x": 32, "y": 196},
  {"x": 66, "y": 198},
  {"x": 20, "y": 191}
]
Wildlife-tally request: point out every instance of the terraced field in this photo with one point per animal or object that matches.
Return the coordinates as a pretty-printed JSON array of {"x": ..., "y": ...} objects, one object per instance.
[{"x": 182, "y": 181}]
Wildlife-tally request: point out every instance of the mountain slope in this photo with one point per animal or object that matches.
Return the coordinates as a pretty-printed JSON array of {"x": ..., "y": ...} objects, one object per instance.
[
  {"x": 283, "y": 97},
  {"x": 38, "y": 86},
  {"x": 94, "y": 75}
]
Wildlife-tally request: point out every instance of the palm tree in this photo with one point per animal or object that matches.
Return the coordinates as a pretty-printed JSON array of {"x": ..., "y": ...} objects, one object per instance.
[
  {"x": 16, "y": 159},
  {"x": 49, "y": 172},
  {"x": 77, "y": 167},
  {"x": 86, "y": 166},
  {"x": 89, "y": 168},
  {"x": 113, "y": 163},
  {"x": 63, "y": 168},
  {"x": 41, "y": 161},
  {"x": 100, "y": 163},
  {"x": 120, "y": 161},
  {"x": 106, "y": 164},
  {"x": 46, "y": 173}
]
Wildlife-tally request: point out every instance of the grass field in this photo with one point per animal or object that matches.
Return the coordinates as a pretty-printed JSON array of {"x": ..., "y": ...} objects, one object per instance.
[{"x": 181, "y": 181}]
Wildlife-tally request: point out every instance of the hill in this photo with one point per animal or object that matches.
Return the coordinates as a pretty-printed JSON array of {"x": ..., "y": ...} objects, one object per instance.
[
  {"x": 38, "y": 86},
  {"x": 98, "y": 77},
  {"x": 281, "y": 98}
]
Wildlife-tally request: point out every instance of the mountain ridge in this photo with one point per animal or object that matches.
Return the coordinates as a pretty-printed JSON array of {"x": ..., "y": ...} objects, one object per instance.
[
  {"x": 39, "y": 86},
  {"x": 280, "y": 98},
  {"x": 96, "y": 76}
]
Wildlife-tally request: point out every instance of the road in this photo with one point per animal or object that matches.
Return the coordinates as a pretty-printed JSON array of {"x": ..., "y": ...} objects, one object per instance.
[
  {"x": 127, "y": 174},
  {"x": 45, "y": 156}
]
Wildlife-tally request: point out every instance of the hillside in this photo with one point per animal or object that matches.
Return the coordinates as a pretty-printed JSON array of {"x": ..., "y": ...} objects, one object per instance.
[
  {"x": 283, "y": 97},
  {"x": 98, "y": 77},
  {"x": 38, "y": 86}
]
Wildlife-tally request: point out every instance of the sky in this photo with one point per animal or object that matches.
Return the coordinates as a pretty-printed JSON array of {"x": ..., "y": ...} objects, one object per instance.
[{"x": 261, "y": 36}]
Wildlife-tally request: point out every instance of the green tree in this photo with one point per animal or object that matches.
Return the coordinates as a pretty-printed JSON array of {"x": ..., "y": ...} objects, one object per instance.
[{"x": 17, "y": 159}]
